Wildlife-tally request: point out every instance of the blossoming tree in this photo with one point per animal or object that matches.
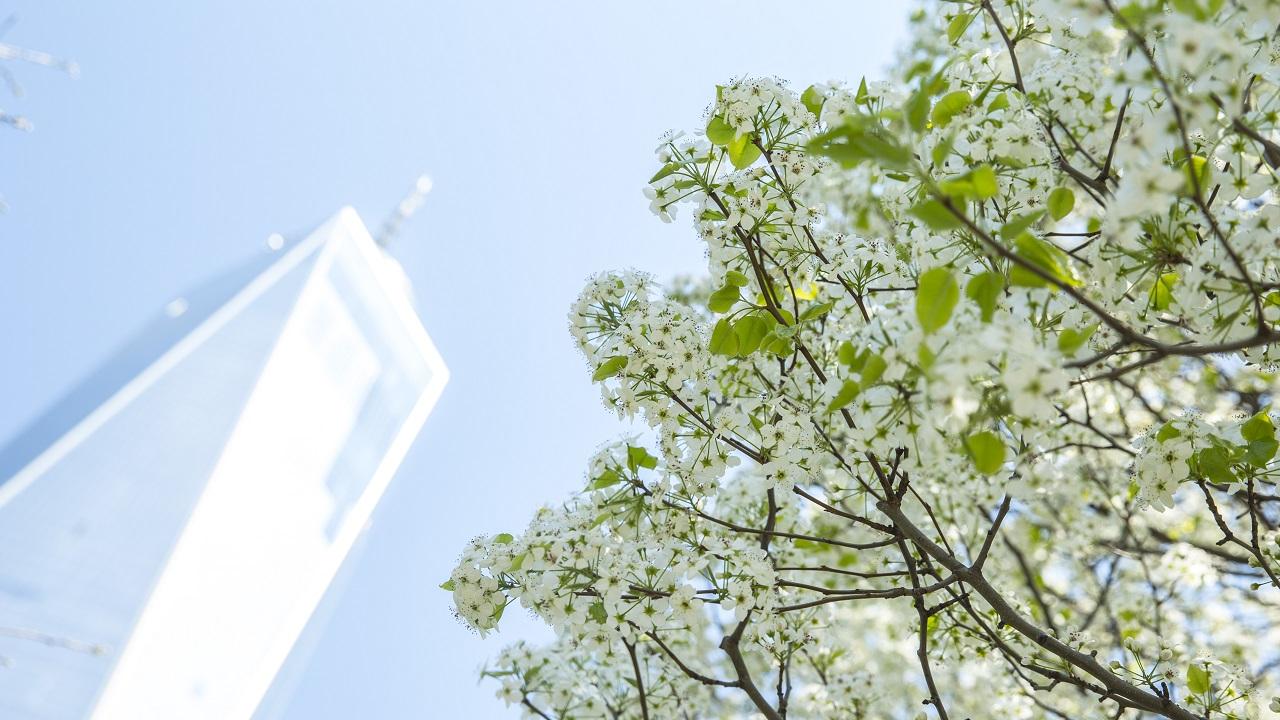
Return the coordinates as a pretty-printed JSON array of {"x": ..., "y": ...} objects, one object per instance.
[{"x": 972, "y": 416}]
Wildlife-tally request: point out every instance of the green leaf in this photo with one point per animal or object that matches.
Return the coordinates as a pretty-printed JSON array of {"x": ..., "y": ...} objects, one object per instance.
[
  {"x": 859, "y": 140},
  {"x": 937, "y": 293},
  {"x": 720, "y": 132},
  {"x": 999, "y": 102},
  {"x": 1260, "y": 434},
  {"x": 984, "y": 181},
  {"x": 638, "y": 457},
  {"x": 609, "y": 368},
  {"x": 1215, "y": 464},
  {"x": 1019, "y": 224},
  {"x": 1196, "y": 172},
  {"x": 1258, "y": 427},
  {"x": 751, "y": 331},
  {"x": 736, "y": 279},
  {"x": 743, "y": 152},
  {"x": 925, "y": 357},
  {"x": 447, "y": 585},
  {"x": 918, "y": 110},
  {"x": 847, "y": 353},
  {"x": 1162, "y": 291},
  {"x": 813, "y": 100},
  {"x": 1070, "y": 340},
  {"x": 985, "y": 289},
  {"x": 935, "y": 215},
  {"x": 861, "y": 97},
  {"x": 1061, "y": 201},
  {"x": 813, "y": 312},
  {"x": 1168, "y": 431},
  {"x": 724, "y": 341},
  {"x": 1046, "y": 256},
  {"x": 872, "y": 368},
  {"x": 608, "y": 478},
  {"x": 597, "y": 612},
  {"x": 1197, "y": 679},
  {"x": 722, "y": 300},
  {"x": 779, "y": 346},
  {"x": 943, "y": 149},
  {"x": 957, "y": 26},
  {"x": 987, "y": 451},
  {"x": 979, "y": 183},
  {"x": 666, "y": 170},
  {"x": 847, "y": 393},
  {"x": 948, "y": 106},
  {"x": 1260, "y": 452},
  {"x": 503, "y": 539}
]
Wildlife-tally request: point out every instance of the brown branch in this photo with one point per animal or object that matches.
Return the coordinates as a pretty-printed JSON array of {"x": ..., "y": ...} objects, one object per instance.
[{"x": 1115, "y": 686}]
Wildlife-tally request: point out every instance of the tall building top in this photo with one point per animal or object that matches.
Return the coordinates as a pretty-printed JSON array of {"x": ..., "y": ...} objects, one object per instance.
[{"x": 186, "y": 507}]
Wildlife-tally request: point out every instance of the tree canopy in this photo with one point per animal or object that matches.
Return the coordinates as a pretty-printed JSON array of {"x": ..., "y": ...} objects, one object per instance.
[{"x": 972, "y": 414}]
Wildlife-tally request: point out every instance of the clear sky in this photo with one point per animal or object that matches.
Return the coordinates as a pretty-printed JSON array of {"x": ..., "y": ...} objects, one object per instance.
[{"x": 198, "y": 128}]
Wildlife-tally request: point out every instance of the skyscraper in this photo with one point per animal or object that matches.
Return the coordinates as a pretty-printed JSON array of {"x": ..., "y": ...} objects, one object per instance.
[{"x": 168, "y": 528}]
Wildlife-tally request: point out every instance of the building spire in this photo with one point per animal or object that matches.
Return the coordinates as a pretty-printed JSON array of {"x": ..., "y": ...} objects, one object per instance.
[{"x": 405, "y": 210}]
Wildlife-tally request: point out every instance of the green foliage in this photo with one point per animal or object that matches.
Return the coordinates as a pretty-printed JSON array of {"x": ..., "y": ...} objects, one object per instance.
[
  {"x": 813, "y": 100},
  {"x": 664, "y": 171},
  {"x": 1260, "y": 434},
  {"x": 752, "y": 331},
  {"x": 597, "y": 612},
  {"x": 1197, "y": 679},
  {"x": 1196, "y": 174},
  {"x": 1162, "y": 291},
  {"x": 1070, "y": 339},
  {"x": 1214, "y": 463},
  {"x": 743, "y": 151},
  {"x": 868, "y": 365},
  {"x": 848, "y": 391},
  {"x": 1020, "y": 224},
  {"x": 608, "y": 478},
  {"x": 1168, "y": 431},
  {"x": 957, "y": 26},
  {"x": 918, "y": 110},
  {"x": 724, "y": 341},
  {"x": 1060, "y": 203},
  {"x": 937, "y": 293},
  {"x": 1044, "y": 255},
  {"x": 987, "y": 451},
  {"x": 720, "y": 132},
  {"x": 638, "y": 457},
  {"x": 935, "y": 215},
  {"x": 609, "y": 368},
  {"x": 976, "y": 184},
  {"x": 860, "y": 140},
  {"x": 985, "y": 289},
  {"x": 723, "y": 300},
  {"x": 948, "y": 106}
]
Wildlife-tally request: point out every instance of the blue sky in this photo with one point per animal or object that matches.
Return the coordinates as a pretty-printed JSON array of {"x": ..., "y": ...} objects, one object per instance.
[{"x": 197, "y": 129}]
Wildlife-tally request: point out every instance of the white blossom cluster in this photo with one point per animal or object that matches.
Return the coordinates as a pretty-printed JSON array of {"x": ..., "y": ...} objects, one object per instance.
[{"x": 972, "y": 414}]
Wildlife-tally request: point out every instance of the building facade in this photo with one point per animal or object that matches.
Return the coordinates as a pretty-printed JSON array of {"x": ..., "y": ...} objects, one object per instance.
[{"x": 168, "y": 529}]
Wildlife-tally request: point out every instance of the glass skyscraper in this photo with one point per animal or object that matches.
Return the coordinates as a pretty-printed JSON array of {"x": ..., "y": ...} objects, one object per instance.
[{"x": 168, "y": 528}]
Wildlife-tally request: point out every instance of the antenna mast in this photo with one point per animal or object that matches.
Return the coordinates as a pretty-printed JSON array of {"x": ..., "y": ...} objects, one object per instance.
[{"x": 405, "y": 210}]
